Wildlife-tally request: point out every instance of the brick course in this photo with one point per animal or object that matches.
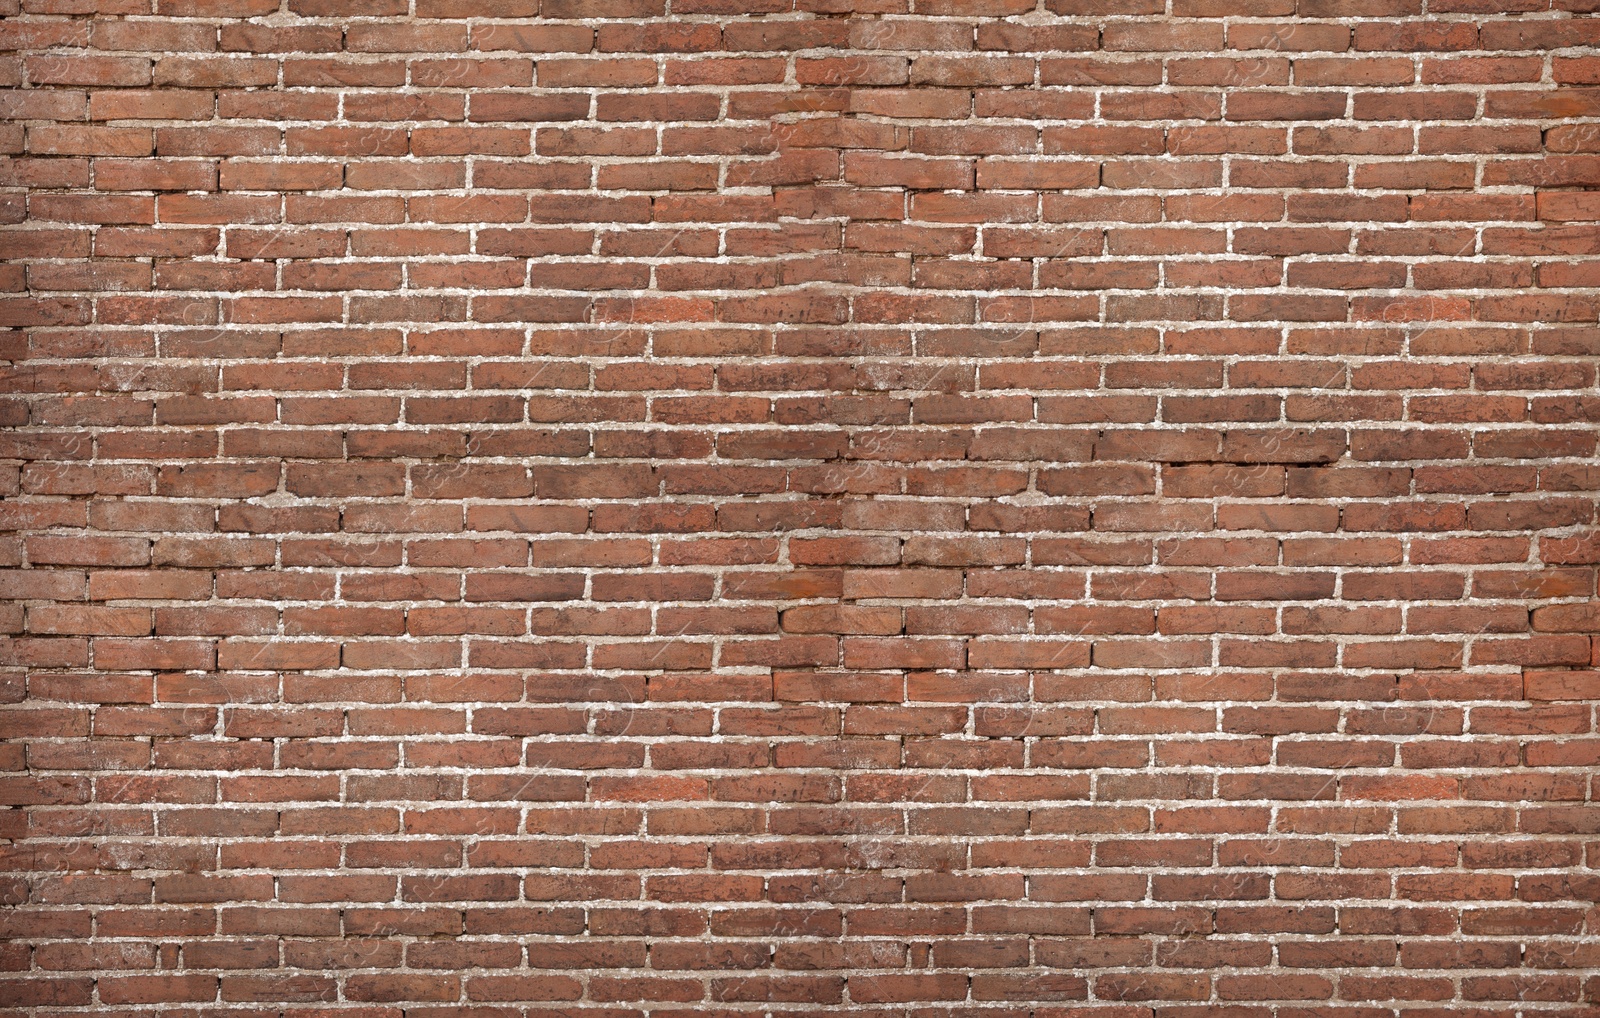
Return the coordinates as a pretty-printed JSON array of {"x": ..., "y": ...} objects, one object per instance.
[{"x": 937, "y": 508}]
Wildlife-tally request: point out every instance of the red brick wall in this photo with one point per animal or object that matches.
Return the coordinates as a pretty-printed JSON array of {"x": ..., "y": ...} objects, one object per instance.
[{"x": 934, "y": 508}]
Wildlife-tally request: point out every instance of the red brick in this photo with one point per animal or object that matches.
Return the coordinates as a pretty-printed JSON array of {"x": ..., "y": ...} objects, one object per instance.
[{"x": 888, "y": 485}]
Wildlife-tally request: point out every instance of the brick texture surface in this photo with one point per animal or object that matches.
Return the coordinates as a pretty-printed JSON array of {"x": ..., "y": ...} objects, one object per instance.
[{"x": 936, "y": 508}]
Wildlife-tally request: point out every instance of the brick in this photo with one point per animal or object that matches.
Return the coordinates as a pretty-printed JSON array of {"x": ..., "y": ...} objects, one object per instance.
[{"x": 1023, "y": 491}]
